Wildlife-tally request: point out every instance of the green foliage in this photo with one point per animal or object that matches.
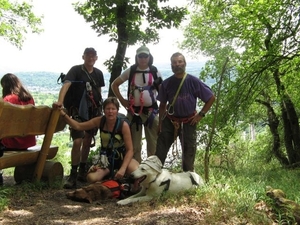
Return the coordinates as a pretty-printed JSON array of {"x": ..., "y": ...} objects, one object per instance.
[
  {"x": 109, "y": 17},
  {"x": 260, "y": 40},
  {"x": 16, "y": 19},
  {"x": 128, "y": 23},
  {"x": 234, "y": 188},
  {"x": 4, "y": 192}
]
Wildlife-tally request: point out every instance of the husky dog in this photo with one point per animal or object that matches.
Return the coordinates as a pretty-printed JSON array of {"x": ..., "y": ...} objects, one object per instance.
[{"x": 154, "y": 181}]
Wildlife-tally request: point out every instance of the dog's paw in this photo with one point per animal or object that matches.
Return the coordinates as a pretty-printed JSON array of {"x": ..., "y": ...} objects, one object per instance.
[
  {"x": 123, "y": 202},
  {"x": 70, "y": 195}
]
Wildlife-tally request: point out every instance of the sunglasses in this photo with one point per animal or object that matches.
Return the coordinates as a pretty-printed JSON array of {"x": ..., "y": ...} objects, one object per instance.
[{"x": 145, "y": 56}]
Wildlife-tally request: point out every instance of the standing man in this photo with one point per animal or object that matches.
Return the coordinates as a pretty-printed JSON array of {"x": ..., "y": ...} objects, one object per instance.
[
  {"x": 81, "y": 96},
  {"x": 143, "y": 84},
  {"x": 177, "y": 112}
]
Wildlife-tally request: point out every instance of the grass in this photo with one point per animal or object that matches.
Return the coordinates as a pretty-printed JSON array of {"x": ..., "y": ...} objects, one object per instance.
[{"x": 230, "y": 195}]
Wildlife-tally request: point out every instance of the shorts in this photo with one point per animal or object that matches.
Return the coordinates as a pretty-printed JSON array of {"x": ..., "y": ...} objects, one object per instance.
[{"x": 75, "y": 134}]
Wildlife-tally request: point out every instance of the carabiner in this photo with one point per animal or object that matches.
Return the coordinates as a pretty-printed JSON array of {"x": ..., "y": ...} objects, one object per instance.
[{"x": 170, "y": 110}]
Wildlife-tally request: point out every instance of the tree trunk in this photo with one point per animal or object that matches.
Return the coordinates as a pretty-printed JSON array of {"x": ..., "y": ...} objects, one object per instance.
[
  {"x": 290, "y": 122},
  {"x": 273, "y": 123},
  {"x": 118, "y": 60}
]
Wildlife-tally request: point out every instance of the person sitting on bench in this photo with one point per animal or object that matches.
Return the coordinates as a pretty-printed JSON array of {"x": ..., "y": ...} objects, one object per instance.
[{"x": 14, "y": 92}]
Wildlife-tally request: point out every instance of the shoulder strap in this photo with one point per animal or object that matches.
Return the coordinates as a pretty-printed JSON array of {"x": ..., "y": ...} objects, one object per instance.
[
  {"x": 178, "y": 90},
  {"x": 120, "y": 126},
  {"x": 102, "y": 122},
  {"x": 153, "y": 70},
  {"x": 131, "y": 73},
  {"x": 117, "y": 127},
  {"x": 93, "y": 83},
  {"x": 133, "y": 69}
]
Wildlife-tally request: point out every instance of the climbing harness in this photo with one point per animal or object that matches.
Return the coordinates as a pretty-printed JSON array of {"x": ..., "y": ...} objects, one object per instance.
[{"x": 136, "y": 111}]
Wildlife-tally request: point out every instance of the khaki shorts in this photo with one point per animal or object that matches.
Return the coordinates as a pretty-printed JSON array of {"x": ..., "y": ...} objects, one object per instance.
[{"x": 75, "y": 134}]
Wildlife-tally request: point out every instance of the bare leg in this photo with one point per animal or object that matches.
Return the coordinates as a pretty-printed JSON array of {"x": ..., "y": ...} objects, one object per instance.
[
  {"x": 75, "y": 159},
  {"x": 98, "y": 175},
  {"x": 86, "y": 145},
  {"x": 75, "y": 152}
]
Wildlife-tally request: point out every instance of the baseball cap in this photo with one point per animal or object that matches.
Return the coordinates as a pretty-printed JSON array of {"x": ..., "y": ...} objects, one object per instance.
[
  {"x": 142, "y": 49},
  {"x": 90, "y": 50}
]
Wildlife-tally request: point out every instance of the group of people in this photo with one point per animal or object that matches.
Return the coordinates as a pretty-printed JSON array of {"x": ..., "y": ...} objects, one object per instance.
[{"x": 175, "y": 115}]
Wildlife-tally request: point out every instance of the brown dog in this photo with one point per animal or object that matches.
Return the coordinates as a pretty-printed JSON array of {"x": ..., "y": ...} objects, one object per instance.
[{"x": 97, "y": 191}]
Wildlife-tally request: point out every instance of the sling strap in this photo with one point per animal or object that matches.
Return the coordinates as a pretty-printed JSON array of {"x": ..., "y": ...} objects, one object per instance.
[{"x": 171, "y": 106}]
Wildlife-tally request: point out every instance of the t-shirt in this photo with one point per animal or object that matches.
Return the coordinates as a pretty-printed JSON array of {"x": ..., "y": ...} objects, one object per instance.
[
  {"x": 140, "y": 82},
  {"x": 19, "y": 142},
  {"x": 77, "y": 75},
  {"x": 186, "y": 101}
]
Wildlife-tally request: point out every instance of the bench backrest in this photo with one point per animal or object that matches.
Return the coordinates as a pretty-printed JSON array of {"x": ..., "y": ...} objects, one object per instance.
[{"x": 17, "y": 120}]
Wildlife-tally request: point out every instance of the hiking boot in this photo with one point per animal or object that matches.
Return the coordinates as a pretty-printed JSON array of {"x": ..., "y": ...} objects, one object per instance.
[
  {"x": 82, "y": 175},
  {"x": 71, "y": 182}
]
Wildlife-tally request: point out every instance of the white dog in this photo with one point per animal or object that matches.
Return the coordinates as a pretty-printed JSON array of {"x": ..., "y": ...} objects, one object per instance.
[{"x": 154, "y": 181}]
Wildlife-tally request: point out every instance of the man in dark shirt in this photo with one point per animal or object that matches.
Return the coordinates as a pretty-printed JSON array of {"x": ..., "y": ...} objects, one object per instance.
[{"x": 81, "y": 96}]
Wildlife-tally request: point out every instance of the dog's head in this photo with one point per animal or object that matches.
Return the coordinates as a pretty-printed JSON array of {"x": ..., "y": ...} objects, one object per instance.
[
  {"x": 154, "y": 162},
  {"x": 90, "y": 193},
  {"x": 274, "y": 193},
  {"x": 148, "y": 170}
]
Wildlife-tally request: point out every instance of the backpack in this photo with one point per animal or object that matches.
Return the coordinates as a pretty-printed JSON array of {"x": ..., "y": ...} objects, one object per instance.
[
  {"x": 153, "y": 70},
  {"x": 68, "y": 100},
  {"x": 119, "y": 124},
  {"x": 72, "y": 96},
  {"x": 61, "y": 78},
  {"x": 115, "y": 187},
  {"x": 116, "y": 130}
]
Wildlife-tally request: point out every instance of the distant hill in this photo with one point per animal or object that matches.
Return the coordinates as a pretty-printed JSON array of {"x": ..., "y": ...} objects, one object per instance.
[
  {"x": 46, "y": 82},
  {"x": 40, "y": 81}
]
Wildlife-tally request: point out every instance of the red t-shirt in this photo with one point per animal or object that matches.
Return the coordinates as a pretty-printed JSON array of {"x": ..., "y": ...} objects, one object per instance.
[{"x": 22, "y": 142}]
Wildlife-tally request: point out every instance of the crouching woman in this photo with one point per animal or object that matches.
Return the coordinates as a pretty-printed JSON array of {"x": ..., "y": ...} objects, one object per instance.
[{"x": 116, "y": 145}]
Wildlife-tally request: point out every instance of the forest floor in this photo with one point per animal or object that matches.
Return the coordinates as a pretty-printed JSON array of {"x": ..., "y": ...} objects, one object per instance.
[{"x": 51, "y": 207}]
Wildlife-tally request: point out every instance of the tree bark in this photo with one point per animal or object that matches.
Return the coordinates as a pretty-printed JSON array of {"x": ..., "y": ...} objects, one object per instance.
[
  {"x": 273, "y": 123},
  {"x": 290, "y": 122},
  {"x": 122, "y": 33}
]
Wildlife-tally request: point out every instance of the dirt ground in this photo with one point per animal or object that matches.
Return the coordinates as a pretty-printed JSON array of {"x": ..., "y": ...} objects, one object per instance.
[{"x": 51, "y": 206}]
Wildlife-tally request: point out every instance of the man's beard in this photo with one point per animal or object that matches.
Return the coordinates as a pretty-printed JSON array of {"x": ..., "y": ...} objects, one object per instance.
[{"x": 178, "y": 69}]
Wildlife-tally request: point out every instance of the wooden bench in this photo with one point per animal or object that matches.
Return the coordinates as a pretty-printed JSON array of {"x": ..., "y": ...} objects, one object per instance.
[{"x": 20, "y": 121}]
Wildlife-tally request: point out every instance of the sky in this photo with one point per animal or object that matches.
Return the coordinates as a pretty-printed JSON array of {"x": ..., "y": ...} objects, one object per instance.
[{"x": 66, "y": 35}]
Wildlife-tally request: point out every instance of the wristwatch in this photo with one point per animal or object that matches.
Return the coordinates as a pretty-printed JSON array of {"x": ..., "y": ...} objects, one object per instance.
[{"x": 201, "y": 113}]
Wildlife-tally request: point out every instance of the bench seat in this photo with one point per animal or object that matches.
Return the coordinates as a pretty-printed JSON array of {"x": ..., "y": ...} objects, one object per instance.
[{"x": 15, "y": 158}]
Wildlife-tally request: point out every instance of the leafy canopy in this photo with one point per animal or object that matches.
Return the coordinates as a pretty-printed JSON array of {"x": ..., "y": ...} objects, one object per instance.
[
  {"x": 16, "y": 19},
  {"x": 140, "y": 19}
]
